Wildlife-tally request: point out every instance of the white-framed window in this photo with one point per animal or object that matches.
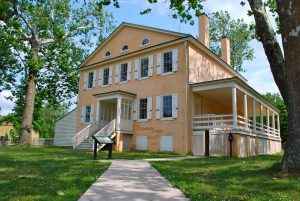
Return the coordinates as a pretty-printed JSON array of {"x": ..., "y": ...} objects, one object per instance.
[
  {"x": 142, "y": 109},
  {"x": 105, "y": 76},
  {"x": 167, "y": 106},
  {"x": 126, "y": 109},
  {"x": 87, "y": 114},
  {"x": 123, "y": 72},
  {"x": 89, "y": 80},
  {"x": 167, "y": 62},
  {"x": 145, "y": 41},
  {"x": 106, "y": 54},
  {"x": 125, "y": 48},
  {"x": 143, "y": 67}
]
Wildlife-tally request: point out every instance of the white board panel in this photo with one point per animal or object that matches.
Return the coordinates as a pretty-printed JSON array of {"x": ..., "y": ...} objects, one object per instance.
[
  {"x": 243, "y": 147},
  {"x": 141, "y": 143},
  {"x": 166, "y": 143},
  {"x": 198, "y": 143}
]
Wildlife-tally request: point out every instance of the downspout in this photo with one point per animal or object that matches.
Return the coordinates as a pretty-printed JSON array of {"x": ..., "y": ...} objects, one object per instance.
[{"x": 186, "y": 94}]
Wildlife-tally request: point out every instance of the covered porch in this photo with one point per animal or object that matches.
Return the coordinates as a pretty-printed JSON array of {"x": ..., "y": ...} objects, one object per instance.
[{"x": 230, "y": 106}]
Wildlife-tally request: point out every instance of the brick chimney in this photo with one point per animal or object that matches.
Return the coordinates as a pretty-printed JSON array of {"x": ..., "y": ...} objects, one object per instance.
[
  {"x": 225, "y": 52},
  {"x": 203, "y": 23}
]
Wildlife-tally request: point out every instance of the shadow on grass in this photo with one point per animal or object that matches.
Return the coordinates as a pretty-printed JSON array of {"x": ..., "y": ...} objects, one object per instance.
[
  {"x": 218, "y": 178},
  {"x": 46, "y": 173}
]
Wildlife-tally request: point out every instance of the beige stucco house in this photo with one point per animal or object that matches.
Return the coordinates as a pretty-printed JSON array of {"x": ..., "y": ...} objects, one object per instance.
[{"x": 156, "y": 90}]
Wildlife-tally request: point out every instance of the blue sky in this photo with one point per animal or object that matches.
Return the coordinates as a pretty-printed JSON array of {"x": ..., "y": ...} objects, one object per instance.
[{"x": 258, "y": 71}]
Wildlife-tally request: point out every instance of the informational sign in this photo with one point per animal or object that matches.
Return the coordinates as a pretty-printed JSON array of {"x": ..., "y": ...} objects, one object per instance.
[{"x": 104, "y": 140}]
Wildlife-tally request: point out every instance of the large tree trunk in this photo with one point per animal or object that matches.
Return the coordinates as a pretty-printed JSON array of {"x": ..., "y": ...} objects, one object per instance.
[
  {"x": 29, "y": 106},
  {"x": 289, "y": 14},
  {"x": 285, "y": 69}
]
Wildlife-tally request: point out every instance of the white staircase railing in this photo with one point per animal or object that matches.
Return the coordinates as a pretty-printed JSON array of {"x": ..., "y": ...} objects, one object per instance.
[
  {"x": 81, "y": 136},
  {"x": 108, "y": 129}
]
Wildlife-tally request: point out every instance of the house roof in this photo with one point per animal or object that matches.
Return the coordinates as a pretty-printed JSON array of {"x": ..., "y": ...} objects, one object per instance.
[
  {"x": 130, "y": 25},
  {"x": 240, "y": 82},
  {"x": 115, "y": 92}
]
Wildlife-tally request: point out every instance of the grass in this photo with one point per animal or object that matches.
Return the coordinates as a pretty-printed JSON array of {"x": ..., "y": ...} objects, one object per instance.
[
  {"x": 46, "y": 173},
  {"x": 102, "y": 155},
  {"x": 218, "y": 178}
]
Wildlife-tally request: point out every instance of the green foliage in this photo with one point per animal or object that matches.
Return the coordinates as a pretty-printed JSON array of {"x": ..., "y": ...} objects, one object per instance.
[
  {"x": 223, "y": 178},
  {"x": 46, "y": 173},
  {"x": 16, "y": 121},
  {"x": 276, "y": 100},
  {"x": 47, "y": 39},
  {"x": 46, "y": 117},
  {"x": 239, "y": 34}
]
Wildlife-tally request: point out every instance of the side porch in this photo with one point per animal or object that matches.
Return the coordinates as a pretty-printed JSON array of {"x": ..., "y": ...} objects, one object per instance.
[{"x": 230, "y": 107}]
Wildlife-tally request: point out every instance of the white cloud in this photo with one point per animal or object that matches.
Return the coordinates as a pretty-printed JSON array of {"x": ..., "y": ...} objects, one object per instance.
[{"x": 6, "y": 105}]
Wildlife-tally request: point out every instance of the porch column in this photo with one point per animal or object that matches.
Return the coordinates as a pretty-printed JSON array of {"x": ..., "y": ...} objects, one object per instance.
[
  {"x": 254, "y": 113},
  {"x": 261, "y": 118},
  {"x": 246, "y": 112},
  {"x": 118, "y": 119},
  {"x": 234, "y": 110},
  {"x": 268, "y": 120},
  {"x": 278, "y": 123},
  {"x": 273, "y": 122}
]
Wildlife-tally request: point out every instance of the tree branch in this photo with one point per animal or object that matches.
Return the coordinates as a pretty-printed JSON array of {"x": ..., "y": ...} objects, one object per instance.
[{"x": 267, "y": 36}]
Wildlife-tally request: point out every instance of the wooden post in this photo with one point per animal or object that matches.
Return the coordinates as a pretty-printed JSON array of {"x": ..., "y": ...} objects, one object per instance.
[
  {"x": 254, "y": 114},
  {"x": 234, "y": 109},
  {"x": 278, "y": 123},
  {"x": 268, "y": 121},
  {"x": 109, "y": 150},
  {"x": 118, "y": 119},
  {"x": 246, "y": 112},
  {"x": 95, "y": 149},
  {"x": 273, "y": 122},
  {"x": 262, "y": 118}
]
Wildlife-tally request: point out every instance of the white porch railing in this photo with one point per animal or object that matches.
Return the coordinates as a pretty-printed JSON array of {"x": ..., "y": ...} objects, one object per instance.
[
  {"x": 108, "y": 129},
  {"x": 226, "y": 122},
  {"x": 86, "y": 132}
]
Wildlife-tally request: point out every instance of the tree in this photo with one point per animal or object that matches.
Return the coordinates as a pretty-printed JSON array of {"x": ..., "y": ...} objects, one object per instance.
[
  {"x": 277, "y": 101},
  {"x": 44, "y": 41},
  {"x": 238, "y": 32},
  {"x": 284, "y": 64}
]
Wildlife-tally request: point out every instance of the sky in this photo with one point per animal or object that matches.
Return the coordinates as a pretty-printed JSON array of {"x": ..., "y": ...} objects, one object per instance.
[{"x": 258, "y": 71}]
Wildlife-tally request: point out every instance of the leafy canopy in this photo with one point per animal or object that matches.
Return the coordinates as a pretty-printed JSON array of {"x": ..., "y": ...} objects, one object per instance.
[{"x": 239, "y": 34}]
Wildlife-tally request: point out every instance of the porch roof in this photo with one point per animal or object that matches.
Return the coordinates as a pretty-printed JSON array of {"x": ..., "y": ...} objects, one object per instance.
[
  {"x": 117, "y": 92},
  {"x": 231, "y": 82}
]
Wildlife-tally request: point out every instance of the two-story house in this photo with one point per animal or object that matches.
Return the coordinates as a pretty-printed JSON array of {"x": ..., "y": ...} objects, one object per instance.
[{"x": 156, "y": 90}]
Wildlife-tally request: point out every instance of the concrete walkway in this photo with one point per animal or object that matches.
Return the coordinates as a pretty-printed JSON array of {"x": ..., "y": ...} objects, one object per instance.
[{"x": 132, "y": 180}]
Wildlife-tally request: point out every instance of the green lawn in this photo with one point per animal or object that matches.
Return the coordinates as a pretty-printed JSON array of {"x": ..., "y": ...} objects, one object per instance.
[
  {"x": 46, "y": 173},
  {"x": 135, "y": 155},
  {"x": 218, "y": 178}
]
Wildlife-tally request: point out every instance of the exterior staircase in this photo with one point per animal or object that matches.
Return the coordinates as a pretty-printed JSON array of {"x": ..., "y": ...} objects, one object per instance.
[{"x": 84, "y": 141}]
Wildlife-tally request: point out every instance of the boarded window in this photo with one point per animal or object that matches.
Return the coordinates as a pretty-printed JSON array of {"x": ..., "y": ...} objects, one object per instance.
[
  {"x": 166, "y": 143},
  {"x": 141, "y": 143}
]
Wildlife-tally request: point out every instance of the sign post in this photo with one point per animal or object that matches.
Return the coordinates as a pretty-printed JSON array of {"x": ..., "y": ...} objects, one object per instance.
[{"x": 103, "y": 140}]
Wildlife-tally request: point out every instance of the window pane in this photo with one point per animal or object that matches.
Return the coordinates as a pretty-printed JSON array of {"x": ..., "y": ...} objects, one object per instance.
[
  {"x": 105, "y": 76},
  {"x": 124, "y": 72},
  {"x": 143, "y": 108},
  {"x": 167, "y": 106},
  {"x": 144, "y": 67},
  {"x": 87, "y": 114},
  {"x": 167, "y": 62},
  {"x": 90, "y": 79}
]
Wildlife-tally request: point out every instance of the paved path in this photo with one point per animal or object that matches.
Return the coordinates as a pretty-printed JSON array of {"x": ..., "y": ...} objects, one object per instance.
[{"x": 132, "y": 180}]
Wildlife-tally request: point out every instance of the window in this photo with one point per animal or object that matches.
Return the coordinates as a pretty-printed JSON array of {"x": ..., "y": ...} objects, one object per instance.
[
  {"x": 145, "y": 41},
  {"x": 144, "y": 67},
  {"x": 87, "y": 117},
  {"x": 107, "y": 54},
  {"x": 90, "y": 80},
  {"x": 167, "y": 106},
  {"x": 125, "y": 48},
  {"x": 167, "y": 62},
  {"x": 123, "y": 72},
  {"x": 126, "y": 106},
  {"x": 143, "y": 109},
  {"x": 105, "y": 76}
]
